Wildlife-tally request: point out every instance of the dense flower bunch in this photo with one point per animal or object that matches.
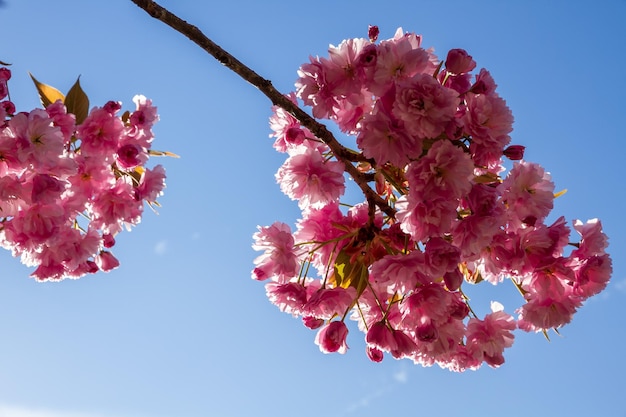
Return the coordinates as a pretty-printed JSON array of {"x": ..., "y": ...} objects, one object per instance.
[
  {"x": 431, "y": 138},
  {"x": 68, "y": 186}
]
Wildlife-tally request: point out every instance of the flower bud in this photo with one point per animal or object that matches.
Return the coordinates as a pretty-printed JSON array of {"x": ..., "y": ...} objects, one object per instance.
[
  {"x": 427, "y": 332},
  {"x": 372, "y": 33},
  {"x": 459, "y": 61},
  {"x": 514, "y": 152},
  {"x": 453, "y": 279},
  {"x": 332, "y": 337},
  {"x": 106, "y": 261},
  {"x": 108, "y": 240},
  {"x": 312, "y": 322},
  {"x": 375, "y": 354}
]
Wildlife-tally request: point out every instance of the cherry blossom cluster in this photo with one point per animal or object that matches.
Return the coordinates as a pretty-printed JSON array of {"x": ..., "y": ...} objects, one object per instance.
[
  {"x": 67, "y": 189},
  {"x": 432, "y": 138}
]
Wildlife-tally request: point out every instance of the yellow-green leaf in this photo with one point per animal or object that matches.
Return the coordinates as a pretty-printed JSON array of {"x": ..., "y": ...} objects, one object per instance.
[
  {"x": 47, "y": 94},
  {"x": 350, "y": 274},
  {"x": 487, "y": 178},
  {"x": 77, "y": 102},
  {"x": 152, "y": 152}
]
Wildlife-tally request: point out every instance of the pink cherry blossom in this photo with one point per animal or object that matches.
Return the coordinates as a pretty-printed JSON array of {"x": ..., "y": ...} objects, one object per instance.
[
  {"x": 332, "y": 337},
  {"x": 487, "y": 338},
  {"x": 441, "y": 210},
  {"x": 402, "y": 272},
  {"x": 63, "y": 194},
  {"x": 327, "y": 303},
  {"x": 106, "y": 261},
  {"x": 425, "y": 106},
  {"x": 382, "y": 137},
  {"x": 459, "y": 61},
  {"x": 593, "y": 240},
  {"x": 100, "y": 132},
  {"x": 528, "y": 192},
  {"x": 279, "y": 259},
  {"x": 310, "y": 179},
  {"x": 289, "y": 297}
]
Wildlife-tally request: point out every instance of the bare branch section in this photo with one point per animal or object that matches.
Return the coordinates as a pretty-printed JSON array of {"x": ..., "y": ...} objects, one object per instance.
[{"x": 275, "y": 96}]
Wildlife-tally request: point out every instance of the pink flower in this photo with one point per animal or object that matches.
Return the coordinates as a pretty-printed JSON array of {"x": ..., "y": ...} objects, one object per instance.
[
  {"x": 115, "y": 207},
  {"x": 310, "y": 179},
  {"x": 405, "y": 345},
  {"x": 425, "y": 106},
  {"x": 62, "y": 119},
  {"x": 312, "y": 322},
  {"x": 487, "y": 339},
  {"x": 152, "y": 184},
  {"x": 314, "y": 90},
  {"x": 145, "y": 116},
  {"x": 289, "y": 297},
  {"x": 5, "y": 75},
  {"x": 380, "y": 336},
  {"x": 106, "y": 261},
  {"x": 383, "y": 138},
  {"x": 130, "y": 155},
  {"x": 39, "y": 142},
  {"x": 10, "y": 162},
  {"x": 543, "y": 245},
  {"x": 320, "y": 225},
  {"x": 100, "y": 133},
  {"x": 286, "y": 128},
  {"x": 528, "y": 192},
  {"x": 484, "y": 83},
  {"x": 374, "y": 354},
  {"x": 459, "y": 61},
  {"x": 398, "y": 59},
  {"x": 46, "y": 189},
  {"x": 547, "y": 311},
  {"x": 592, "y": 275},
  {"x": 441, "y": 257},
  {"x": 343, "y": 73},
  {"x": 372, "y": 33},
  {"x": 425, "y": 218},
  {"x": 487, "y": 117},
  {"x": 400, "y": 272},
  {"x": 489, "y": 121},
  {"x": 445, "y": 171},
  {"x": 428, "y": 303},
  {"x": 332, "y": 337},
  {"x": 593, "y": 240},
  {"x": 279, "y": 259},
  {"x": 326, "y": 303},
  {"x": 514, "y": 152},
  {"x": 36, "y": 224}
]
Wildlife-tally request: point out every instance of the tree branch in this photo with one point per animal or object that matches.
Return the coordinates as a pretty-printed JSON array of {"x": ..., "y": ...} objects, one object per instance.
[{"x": 276, "y": 97}]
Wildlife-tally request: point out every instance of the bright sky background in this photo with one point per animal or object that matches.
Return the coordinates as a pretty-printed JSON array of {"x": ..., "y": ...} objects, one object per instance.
[{"x": 181, "y": 329}]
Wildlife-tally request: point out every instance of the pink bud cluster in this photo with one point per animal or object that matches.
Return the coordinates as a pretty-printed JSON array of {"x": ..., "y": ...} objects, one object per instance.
[
  {"x": 66, "y": 190},
  {"x": 431, "y": 137}
]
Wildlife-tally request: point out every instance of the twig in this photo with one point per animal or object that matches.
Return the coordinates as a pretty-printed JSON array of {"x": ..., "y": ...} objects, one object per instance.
[{"x": 276, "y": 97}]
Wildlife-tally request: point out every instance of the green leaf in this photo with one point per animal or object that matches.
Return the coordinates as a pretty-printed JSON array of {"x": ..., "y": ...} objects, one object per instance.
[
  {"x": 77, "y": 102},
  {"x": 350, "y": 274},
  {"x": 47, "y": 94}
]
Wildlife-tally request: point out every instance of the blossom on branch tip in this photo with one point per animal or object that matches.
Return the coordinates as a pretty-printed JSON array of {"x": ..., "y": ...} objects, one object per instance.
[
  {"x": 69, "y": 183},
  {"x": 440, "y": 210}
]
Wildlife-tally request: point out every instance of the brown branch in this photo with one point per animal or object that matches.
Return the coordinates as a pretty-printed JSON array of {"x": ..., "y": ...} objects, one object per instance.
[{"x": 276, "y": 97}]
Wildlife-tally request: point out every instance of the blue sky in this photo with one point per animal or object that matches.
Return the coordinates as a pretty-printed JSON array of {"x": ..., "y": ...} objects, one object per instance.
[{"x": 181, "y": 329}]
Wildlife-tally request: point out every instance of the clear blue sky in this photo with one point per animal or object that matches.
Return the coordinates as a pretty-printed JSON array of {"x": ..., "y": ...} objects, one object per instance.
[{"x": 181, "y": 329}]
